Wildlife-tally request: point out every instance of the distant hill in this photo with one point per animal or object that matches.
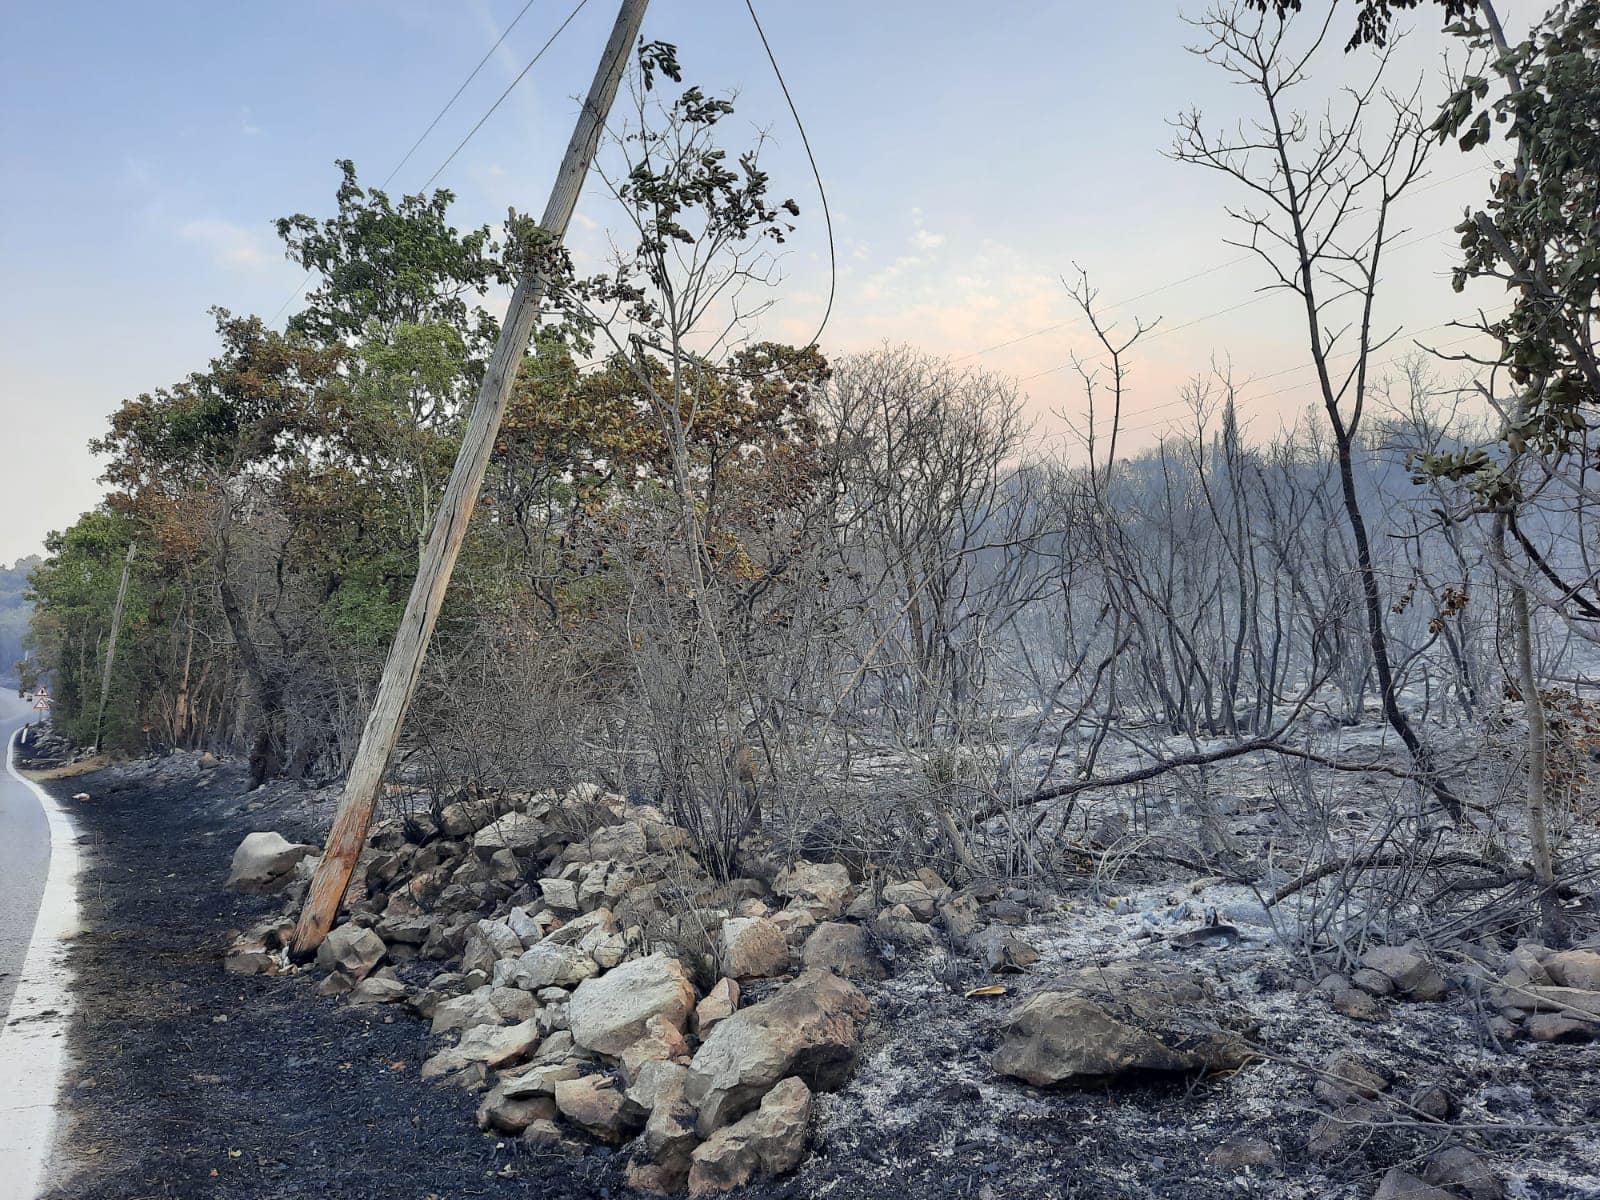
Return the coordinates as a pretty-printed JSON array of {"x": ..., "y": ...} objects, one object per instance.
[{"x": 14, "y": 611}]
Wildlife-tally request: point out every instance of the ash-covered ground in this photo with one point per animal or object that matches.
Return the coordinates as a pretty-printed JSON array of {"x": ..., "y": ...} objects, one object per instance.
[{"x": 189, "y": 1082}]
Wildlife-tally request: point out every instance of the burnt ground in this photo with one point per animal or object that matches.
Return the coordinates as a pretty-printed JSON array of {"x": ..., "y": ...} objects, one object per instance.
[{"x": 189, "y": 1082}]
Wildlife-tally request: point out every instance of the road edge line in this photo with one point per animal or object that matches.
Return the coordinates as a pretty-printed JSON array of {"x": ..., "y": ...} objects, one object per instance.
[{"x": 33, "y": 1041}]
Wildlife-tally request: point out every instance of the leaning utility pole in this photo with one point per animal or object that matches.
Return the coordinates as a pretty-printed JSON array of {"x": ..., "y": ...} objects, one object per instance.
[
  {"x": 404, "y": 664},
  {"x": 111, "y": 648}
]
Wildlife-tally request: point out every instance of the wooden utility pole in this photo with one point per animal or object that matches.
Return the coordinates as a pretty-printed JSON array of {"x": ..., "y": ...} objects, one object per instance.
[
  {"x": 404, "y": 664},
  {"x": 111, "y": 647}
]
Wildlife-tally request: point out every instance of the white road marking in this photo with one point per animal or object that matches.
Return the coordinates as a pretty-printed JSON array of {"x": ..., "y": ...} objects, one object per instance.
[{"x": 33, "y": 1042}]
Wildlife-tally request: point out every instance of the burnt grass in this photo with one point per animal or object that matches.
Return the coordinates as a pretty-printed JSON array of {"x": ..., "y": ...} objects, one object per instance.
[{"x": 189, "y": 1082}]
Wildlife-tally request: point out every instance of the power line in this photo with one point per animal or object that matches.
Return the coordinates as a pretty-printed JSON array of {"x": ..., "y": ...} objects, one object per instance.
[
  {"x": 827, "y": 215},
  {"x": 439, "y": 116},
  {"x": 500, "y": 99},
  {"x": 465, "y": 83}
]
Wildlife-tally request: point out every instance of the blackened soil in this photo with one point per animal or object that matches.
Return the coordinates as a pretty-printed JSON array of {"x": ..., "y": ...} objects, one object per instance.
[{"x": 190, "y": 1082}]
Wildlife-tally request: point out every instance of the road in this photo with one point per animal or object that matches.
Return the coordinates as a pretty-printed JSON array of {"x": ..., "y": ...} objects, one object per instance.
[{"x": 24, "y": 856}]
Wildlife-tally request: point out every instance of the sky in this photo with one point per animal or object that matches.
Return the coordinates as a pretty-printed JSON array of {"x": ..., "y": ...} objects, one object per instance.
[{"x": 970, "y": 163}]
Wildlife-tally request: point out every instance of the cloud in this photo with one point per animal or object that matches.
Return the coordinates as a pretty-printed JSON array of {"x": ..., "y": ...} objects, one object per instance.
[
  {"x": 247, "y": 125},
  {"x": 230, "y": 245},
  {"x": 922, "y": 238}
]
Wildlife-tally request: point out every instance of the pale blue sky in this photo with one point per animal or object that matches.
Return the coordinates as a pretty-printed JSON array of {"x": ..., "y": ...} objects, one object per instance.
[{"x": 971, "y": 155}]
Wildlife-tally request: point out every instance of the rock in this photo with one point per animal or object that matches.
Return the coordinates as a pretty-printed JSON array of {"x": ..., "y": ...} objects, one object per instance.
[
  {"x": 1436, "y": 1102},
  {"x": 611, "y": 1012},
  {"x": 545, "y": 966},
  {"x": 263, "y": 860},
  {"x": 1000, "y": 950},
  {"x": 547, "y": 1137},
  {"x": 1458, "y": 1167},
  {"x": 1409, "y": 968},
  {"x": 845, "y": 950},
  {"x": 820, "y": 888},
  {"x": 662, "y": 1042},
  {"x": 657, "y": 1081},
  {"x": 539, "y": 1079},
  {"x": 795, "y": 924},
  {"x": 531, "y": 927},
  {"x": 378, "y": 989},
  {"x": 753, "y": 948},
  {"x": 488, "y": 1045},
  {"x": 1096, "y": 1022},
  {"x": 596, "y": 1105},
  {"x": 916, "y": 896},
  {"x": 489, "y": 942},
  {"x": 1525, "y": 965},
  {"x": 1560, "y": 1027},
  {"x": 560, "y": 894},
  {"x": 669, "y": 1133},
  {"x": 1346, "y": 1077},
  {"x": 717, "y": 1005},
  {"x": 515, "y": 831},
  {"x": 1333, "y": 1132},
  {"x": 350, "y": 949},
  {"x": 767, "y": 1142},
  {"x": 810, "y": 1028},
  {"x": 1575, "y": 1002},
  {"x": 581, "y": 928},
  {"x": 1374, "y": 983},
  {"x": 960, "y": 917},
  {"x": 1242, "y": 1151},
  {"x": 1575, "y": 969},
  {"x": 1400, "y": 1184},
  {"x": 465, "y": 817},
  {"x": 337, "y": 983},
  {"x": 487, "y": 1005},
  {"x": 503, "y": 1114},
  {"x": 624, "y": 843}
]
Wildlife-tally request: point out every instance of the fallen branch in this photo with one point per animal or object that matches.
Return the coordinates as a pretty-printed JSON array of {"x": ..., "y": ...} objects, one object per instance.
[{"x": 1373, "y": 862}]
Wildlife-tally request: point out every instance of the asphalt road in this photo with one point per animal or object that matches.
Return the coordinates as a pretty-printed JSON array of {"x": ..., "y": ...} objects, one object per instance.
[{"x": 24, "y": 856}]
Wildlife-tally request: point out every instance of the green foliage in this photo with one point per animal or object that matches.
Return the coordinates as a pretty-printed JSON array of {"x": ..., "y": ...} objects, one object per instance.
[
  {"x": 1539, "y": 231},
  {"x": 392, "y": 264}
]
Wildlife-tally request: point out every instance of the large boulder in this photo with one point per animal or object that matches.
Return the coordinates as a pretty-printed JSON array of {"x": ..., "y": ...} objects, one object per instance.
[
  {"x": 1097, "y": 1022},
  {"x": 768, "y": 1141},
  {"x": 351, "y": 949},
  {"x": 822, "y": 889},
  {"x": 263, "y": 862},
  {"x": 610, "y": 1012},
  {"x": 809, "y": 1028},
  {"x": 753, "y": 948}
]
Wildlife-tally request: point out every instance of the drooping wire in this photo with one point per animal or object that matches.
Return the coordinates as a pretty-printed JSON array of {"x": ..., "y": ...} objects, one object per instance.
[
  {"x": 822, "y": 192},
  {"x": 465, "y": 83}
]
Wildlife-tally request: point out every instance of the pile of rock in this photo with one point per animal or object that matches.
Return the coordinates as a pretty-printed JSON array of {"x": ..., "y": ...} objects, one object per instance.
[{"x": 599, "y": 984}]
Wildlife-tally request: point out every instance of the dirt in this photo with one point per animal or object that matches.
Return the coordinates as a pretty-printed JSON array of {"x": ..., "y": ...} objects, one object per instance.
[{"x": 193, "y": 1083}]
